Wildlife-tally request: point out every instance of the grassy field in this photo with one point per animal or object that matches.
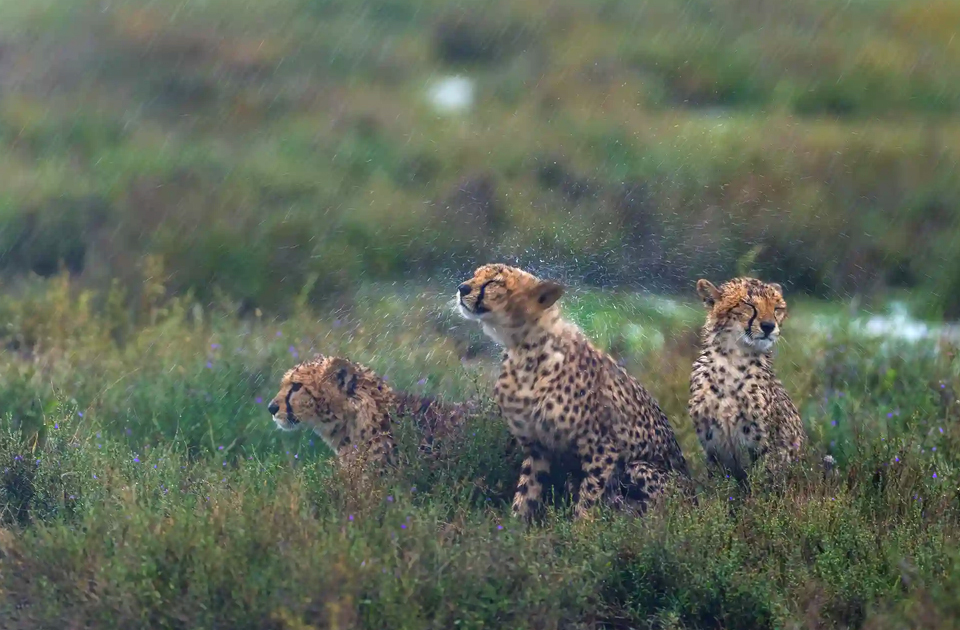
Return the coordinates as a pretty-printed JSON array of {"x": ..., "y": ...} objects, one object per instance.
[
  {"x": 196, "y": 194},
  {"x": 144, "y": 485}
]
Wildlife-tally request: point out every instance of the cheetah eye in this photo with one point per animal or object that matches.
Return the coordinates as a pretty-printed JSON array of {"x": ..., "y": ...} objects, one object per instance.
[{"x": 296, "y": 387}]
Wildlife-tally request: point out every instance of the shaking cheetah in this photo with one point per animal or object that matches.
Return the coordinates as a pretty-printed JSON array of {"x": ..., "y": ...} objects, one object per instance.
[
  {"x": 564, "y": 400},
  {"x": 739, "y": 408}
]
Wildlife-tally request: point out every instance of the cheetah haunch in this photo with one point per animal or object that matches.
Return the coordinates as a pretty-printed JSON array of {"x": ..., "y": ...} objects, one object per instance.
[
  {"x": 353, "y": 410},
  {"x": 738, "y": 406},
  {"x": 565, "y": 400}
]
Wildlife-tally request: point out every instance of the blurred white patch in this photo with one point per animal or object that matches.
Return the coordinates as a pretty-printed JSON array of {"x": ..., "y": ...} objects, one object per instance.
[
  {"x": 895, "y": 326},
  {"x": 451, "y": 94},
  {"x": 899, "y": 324}
]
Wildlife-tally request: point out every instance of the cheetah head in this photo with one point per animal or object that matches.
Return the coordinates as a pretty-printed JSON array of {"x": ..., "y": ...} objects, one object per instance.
[
  {"x": 324, "y": 394},
  {"x": 745, "y": 311},
  {"x": 505, "y": 299}
]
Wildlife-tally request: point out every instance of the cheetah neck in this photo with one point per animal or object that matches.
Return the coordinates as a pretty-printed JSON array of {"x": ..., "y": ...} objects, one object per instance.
[
  {"x": 530, "y": 333},
  {"x": 722, "y": 347},
  {"x": 358, "y": 430},
  {"x": 335, "y": 435}
]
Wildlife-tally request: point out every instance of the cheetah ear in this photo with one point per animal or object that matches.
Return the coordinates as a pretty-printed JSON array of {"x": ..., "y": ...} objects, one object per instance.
[
  {"x": 546, "y": 293},
  {"x": 345, "y": 375},
  {"x": 776, "y": 287},
  {"x": 707, "y": 292}
]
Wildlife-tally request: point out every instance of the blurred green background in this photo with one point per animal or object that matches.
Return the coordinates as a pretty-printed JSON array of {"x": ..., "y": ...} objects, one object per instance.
[{"x": 257, "y": 147}]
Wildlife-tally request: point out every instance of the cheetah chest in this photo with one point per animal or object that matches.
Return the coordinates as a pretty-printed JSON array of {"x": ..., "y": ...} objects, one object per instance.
[
  {"x": 537, "y": 401},
  {"x": 728, "y": 408}
]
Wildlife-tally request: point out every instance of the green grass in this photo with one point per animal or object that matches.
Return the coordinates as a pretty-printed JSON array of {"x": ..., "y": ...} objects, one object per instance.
[
  {"x": 144, "y": 484},
  {"x": 210, "y": 191}
]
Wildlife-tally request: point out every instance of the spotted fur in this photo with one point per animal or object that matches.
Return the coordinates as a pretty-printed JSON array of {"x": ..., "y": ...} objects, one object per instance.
[
  {"x": 354, "y": 411},
  {"x": 345, "y": 403},
  {"x": 566, "y": 401},
  {"x": 739, "y": 408}
]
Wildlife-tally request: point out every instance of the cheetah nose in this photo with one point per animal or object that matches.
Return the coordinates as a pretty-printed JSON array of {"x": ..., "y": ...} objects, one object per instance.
[
  {"x": 464, "y": 289},
  {"x": 273, "y": 407},
  {"x": 767, "y": 327}
]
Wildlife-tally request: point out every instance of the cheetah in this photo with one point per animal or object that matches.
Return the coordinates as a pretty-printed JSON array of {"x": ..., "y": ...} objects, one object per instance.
[
  {"x": 565, "y": 401},
  {"x": 739, "y": 408},
  {"x": 353, "y": 410}
]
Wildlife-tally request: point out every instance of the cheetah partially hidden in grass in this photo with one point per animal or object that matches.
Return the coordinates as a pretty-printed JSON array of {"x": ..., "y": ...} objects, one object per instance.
[
  {"x": 564, "y": 400},
  {"x": 739, "y": 408},
  {"x": 353, "y": 410}
]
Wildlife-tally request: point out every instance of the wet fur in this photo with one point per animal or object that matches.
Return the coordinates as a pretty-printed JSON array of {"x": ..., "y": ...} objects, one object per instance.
[
  {"x": 566, "y": 402},
  {"x": 739, "y": 408}
]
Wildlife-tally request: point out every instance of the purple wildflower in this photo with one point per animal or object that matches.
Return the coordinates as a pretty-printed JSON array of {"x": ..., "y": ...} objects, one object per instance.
[
  {"x": 934, "y": 475},
  {"x": 56, "y": 425},
  {"x": 80, "y": 413},
  {"x": 499, "y": 527},
  {"x": 279, "y": 333},
  {"x": 209, "y": 365},
  {"x": 390, "y": 499},
  {"x": 422, "y": 381},
  {"x": 404, "y": 525},
  {"x": 136, "y": 459},
  {"x": 259, "y": 400},
  {"x": 220, "y": 448},
  {"x": 214, "y": 346},
  {"x": 833, "y": 423},
  {"x": 350, "y": 518},
  {"x": 890, "y": 414}
]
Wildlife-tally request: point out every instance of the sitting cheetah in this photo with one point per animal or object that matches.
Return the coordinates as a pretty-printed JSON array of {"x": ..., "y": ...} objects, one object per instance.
[
  {"x": 352, "y": 409},
  {"x": 564, "y": 400},
  {"x": 739, "y": 408}
]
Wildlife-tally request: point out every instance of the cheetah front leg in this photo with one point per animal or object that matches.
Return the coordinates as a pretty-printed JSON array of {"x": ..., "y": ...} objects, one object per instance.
[
  {"x": 598, "y": 468},
  {"x": 535, "y": 471},
  {"x": 642, "y": 485},
  {"x": 777, "y": 460}
]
